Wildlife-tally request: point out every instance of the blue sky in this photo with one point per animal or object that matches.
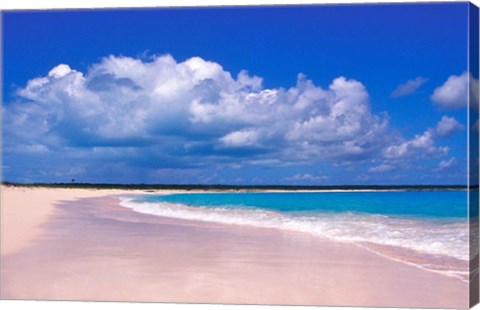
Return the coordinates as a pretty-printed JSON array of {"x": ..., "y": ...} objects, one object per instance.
[{"x": 352, "y": 94}]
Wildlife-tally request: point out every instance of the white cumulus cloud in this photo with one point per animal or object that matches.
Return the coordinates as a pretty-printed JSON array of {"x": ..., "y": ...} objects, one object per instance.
[
  {"x": 422, "y": 145},
  {"x": 240, "y": 138},
  {"x": 168, "y": 114},
  {"x": 447, "y": 126},
  {"x": 453, "y": 94},
  {"x": 193, "y": 106}
]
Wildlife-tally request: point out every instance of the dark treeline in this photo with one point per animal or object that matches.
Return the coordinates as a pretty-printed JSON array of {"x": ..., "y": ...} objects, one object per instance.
[{"x": 238, "y": 187}]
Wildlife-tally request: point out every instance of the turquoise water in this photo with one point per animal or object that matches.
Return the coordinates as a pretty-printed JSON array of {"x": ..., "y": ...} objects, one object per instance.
[
  {"x": 427, "y": 204},
  {"x": 432, "y": 226}
]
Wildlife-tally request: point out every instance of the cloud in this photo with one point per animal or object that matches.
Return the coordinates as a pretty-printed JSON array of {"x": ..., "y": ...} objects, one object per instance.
[
  {"x": 136, "y": 117},
  {"x": 453, "y": 94},
  {"x": 31, "y": 148},
  {"x": 240, "y": 138},
  {"x": 444, "y": 164},
  {"x": 192, "y": 108},
  {"x": 381, "y": 168},
  {"x": 447, "y": 126},
  {"x": 422, "y": 145},
  {"x": 60, "y": 71},
  {"x": 307, "y": 177},
  {"x": 409, "y": 87}
]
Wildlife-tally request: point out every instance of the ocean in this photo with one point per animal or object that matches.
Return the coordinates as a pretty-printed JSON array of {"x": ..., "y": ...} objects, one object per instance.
[{"x": 427, "y": 229}]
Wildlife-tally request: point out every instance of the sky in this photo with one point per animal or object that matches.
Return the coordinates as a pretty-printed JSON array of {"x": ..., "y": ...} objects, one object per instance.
[{"x": 299, "y": 95}]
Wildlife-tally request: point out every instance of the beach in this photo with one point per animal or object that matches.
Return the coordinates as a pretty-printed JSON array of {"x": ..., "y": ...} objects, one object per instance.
[{"x": 80, "y": 244}]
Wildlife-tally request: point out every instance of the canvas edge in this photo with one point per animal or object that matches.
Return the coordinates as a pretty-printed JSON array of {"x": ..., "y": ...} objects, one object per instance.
[{"x": 473, "y": 151}]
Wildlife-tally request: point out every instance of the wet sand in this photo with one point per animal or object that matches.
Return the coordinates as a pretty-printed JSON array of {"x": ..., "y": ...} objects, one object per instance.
[{"x": 94, "y": 249}]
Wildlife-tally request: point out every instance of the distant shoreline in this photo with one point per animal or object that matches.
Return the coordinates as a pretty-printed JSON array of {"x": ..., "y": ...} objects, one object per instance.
[{"x": 219, "y": 187}]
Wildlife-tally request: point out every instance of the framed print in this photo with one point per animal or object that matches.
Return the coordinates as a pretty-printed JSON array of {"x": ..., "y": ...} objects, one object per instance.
[{"x": 320, "y": 155}]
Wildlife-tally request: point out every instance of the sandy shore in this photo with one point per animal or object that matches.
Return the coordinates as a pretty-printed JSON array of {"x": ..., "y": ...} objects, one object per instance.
[
  {"x": 24, "y": 210},
  {"x": 78, "y": 245}
]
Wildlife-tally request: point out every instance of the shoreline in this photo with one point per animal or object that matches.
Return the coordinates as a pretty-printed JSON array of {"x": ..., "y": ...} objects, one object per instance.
[
  {"x": 34, "y": 206},
  {"x": 226, "y": 259},
  {"x": 423, "y": 261},
  {"x": 442, "y": 264}
]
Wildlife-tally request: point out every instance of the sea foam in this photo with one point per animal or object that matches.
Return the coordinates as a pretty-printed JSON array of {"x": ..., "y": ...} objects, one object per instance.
[{"x": 446, "y": 239}]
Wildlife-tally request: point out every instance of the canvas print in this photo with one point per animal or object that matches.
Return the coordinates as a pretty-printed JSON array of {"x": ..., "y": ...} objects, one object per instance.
[{"x": 286, "y": 155}]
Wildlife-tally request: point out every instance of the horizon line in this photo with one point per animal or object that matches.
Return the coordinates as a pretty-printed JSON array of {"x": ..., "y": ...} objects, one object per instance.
[{"x": 233, "y": 186}]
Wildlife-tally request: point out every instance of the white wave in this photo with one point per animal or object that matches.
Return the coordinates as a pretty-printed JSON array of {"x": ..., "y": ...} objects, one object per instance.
[{"x": 447, "y": 239}]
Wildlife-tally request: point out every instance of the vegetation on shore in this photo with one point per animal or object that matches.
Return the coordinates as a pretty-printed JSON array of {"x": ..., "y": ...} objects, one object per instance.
[{"x": 220, "y": 187}]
